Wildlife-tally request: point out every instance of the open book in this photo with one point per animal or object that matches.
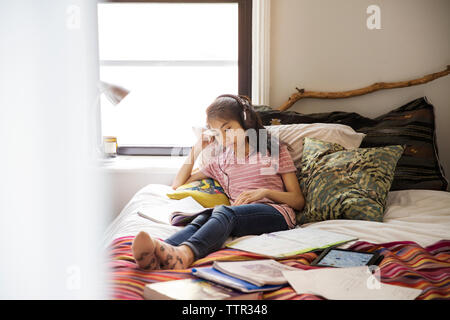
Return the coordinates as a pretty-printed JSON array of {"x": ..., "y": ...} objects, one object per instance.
[
  {"x": 289, "y": 243},
  {"x": 174, "y": 212}
]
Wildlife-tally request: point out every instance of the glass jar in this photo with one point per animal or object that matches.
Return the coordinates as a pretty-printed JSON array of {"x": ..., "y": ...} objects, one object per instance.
[{"x": 110, "y": 147}]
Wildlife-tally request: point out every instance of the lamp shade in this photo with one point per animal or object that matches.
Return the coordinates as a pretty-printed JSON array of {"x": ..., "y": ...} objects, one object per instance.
[{"x": 114, "y": 93}]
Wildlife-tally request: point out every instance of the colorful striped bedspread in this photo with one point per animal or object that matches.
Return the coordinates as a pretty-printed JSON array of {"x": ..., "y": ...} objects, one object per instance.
[{"x": 405, "y": 263}]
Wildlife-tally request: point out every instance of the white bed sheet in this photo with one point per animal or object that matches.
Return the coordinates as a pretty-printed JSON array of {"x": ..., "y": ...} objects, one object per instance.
[{"x": 422, "y": 216}]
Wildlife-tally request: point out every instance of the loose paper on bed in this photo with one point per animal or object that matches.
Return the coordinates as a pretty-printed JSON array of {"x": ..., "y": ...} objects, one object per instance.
[
  {"x": 290, "y": 242},
  {"x": 356, "y": 283}
]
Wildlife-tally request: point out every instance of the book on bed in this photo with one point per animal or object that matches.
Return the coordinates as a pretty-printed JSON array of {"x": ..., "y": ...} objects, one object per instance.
[
  {"x": 246, "y": 276},
  {"x": 194, "y": 289},
  {"x": 258, "y": 272},
  {"x": 176, "y": 212},
  {"x": 288, "y": 243},
  {"x": 214, "y": 275}
]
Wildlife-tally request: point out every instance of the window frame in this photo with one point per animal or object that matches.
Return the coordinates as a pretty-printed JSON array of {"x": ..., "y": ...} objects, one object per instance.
[{"x": 245, "y": 59}]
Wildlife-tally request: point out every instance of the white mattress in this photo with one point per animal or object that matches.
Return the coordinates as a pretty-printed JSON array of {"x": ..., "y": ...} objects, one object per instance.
[{"x": 422, "y": 216}]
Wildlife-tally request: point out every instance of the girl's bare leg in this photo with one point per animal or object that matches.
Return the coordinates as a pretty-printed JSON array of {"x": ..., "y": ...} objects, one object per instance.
[{"x": 151, "y": 254}]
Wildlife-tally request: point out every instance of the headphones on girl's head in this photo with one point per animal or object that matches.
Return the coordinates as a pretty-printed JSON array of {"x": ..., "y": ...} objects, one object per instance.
[{"x": 243, "y": 102}]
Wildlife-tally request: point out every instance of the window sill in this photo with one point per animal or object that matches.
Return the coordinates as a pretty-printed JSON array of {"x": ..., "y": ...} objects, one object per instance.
[
  {"x": 167, "y": 151},
  {"x": 143, "y": 164}
]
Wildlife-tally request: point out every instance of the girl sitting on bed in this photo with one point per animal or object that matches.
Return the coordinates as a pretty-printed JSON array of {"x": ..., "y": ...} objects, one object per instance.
[{"x": 262, "y": 187}]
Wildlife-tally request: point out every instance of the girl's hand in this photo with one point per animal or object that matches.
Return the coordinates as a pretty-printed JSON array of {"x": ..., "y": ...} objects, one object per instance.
[
  {"x": 250, "y": 196},
  {"x": 204, "y": 140}
]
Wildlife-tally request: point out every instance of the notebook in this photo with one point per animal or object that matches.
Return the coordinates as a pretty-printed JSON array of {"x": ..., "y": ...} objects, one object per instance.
[
  {"x": 288, "y": 243},
  {"x": 257, "y": 272},
  {"x": 214, "y": 275}
]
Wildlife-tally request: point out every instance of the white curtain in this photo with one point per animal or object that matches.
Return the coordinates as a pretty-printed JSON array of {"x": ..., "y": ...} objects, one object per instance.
[
  {"x": 52, "y": 194},
  {"x": 261, "y": 52}
]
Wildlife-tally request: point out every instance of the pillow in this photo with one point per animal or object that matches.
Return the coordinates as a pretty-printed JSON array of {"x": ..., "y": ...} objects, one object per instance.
[
  {"x": 345, "y": 184},
  {"x": 412, "y": 125},
  {"x": 293, "y": 134},
  {"x": 207, "y": 192}
]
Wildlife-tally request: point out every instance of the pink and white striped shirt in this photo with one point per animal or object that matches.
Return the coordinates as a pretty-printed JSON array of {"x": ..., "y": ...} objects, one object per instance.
[{"x": 254, "y": 172}]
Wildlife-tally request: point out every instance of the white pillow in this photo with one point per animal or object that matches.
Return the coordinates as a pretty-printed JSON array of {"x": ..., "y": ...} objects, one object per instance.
[{"x": 293, "y": 134}]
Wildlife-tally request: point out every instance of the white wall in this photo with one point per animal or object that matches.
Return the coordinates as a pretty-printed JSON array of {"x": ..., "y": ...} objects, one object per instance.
[
  {"x": 325, "y": 45},
  {"x": 128, "y": 174}
]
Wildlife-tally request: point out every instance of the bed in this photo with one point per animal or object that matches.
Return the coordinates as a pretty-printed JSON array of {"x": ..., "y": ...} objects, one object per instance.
[
  {"x": 414, "y": 237},
  {"x": 422, "y": 215}
]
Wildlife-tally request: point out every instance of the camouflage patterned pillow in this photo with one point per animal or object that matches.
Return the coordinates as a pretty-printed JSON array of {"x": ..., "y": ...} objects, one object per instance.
[{"x": 345, "y": 184}]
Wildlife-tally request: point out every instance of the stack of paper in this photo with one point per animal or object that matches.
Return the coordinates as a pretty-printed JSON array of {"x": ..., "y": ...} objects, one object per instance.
[
  {"x": 258, "y": 272},
  {"x": 211, "y": 274},
  {"x": 246, "y": 276},
  {"x": 357, "y": 283}
]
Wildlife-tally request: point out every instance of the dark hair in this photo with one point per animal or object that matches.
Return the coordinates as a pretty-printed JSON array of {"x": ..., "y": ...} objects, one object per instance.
[{"x": 232, "y": 107}]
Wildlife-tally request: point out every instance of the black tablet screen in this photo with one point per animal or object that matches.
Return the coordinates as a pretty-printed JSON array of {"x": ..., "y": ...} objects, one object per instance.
[{"x": 338, "y": 258}]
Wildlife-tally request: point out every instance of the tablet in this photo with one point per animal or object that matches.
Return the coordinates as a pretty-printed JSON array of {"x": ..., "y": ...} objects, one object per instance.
[{"x": 343, "y": 258}]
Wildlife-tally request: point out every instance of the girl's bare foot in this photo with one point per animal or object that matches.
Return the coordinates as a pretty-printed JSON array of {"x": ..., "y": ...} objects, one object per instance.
[
  {"x": 143, "y": 249},
  {"x": 171, "y": 257}
]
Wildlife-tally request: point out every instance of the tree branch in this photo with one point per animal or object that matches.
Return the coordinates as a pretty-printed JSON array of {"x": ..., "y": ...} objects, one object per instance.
[{"x": 302, "y": 93}]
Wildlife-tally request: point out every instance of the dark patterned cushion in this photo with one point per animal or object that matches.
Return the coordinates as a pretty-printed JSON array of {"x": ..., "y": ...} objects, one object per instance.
[{"x": 412, "y": 125}]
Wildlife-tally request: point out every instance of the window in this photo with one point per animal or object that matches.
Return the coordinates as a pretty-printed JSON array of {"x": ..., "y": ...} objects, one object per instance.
[{"x": 174, "y": 58}]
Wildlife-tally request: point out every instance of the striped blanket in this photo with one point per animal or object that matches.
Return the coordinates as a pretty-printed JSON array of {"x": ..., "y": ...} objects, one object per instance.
[{"x": 405, "y": 263}]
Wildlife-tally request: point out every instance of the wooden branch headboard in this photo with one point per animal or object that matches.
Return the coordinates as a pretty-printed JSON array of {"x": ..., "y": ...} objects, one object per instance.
[{"x": 302, "y": 94}]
